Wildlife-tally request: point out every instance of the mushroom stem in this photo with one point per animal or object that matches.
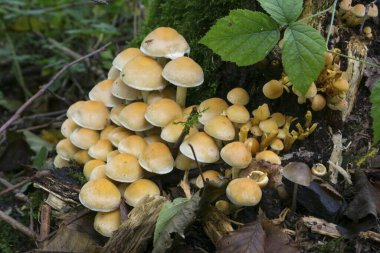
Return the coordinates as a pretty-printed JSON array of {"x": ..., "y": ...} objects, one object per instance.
[
  {"x": 235, "y": 173},
  {"x": 294, "y": 199},
  {"x": 145, "y": 94},
  {"x": 181, "y": 96},
  {"x": 219, "y": 143}
]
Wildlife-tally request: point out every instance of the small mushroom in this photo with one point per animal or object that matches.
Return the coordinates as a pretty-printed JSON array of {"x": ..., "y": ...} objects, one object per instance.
[
  {"x": 237, "y": 156},
  {"x": 319, "y": 169},
  {"x": 107, "y": 223},
  {"x": 157, "y": 158},
  {"x": 124, "y": 168},
  {"x": 298, "y": 173},
  {"x": 212, "y": 176},
  {"x": 139, "y": 190},
  {"x": 90, "y": 166},
  {"x": 243, "y": 192},
  {"x": 273, "y": 89},
  {"x": 238, "y": 96}
]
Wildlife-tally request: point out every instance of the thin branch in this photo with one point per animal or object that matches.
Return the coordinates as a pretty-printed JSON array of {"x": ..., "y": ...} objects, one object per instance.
[
  {"x": 331, "y": 22},
  {"x": 17, "y": 225},
  {"x": 45, "y": 87},
  {"x": 19, "y": 195}
]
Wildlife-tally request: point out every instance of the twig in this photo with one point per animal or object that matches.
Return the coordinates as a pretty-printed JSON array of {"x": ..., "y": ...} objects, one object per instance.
[
  {"x": 45, "y": 87},
  {"x": 344, "y": 173},
  {"x": 196, "y": 160},
  {"x": 331, "y": 22},
  {"x": 19, "y": 195},
  {"x": 45, "y": 222},
  {"x": 17, "y": 225}
]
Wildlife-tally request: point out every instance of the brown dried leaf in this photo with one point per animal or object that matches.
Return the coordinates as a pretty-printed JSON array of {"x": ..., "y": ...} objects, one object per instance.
[{"x": 276, "y": 240}]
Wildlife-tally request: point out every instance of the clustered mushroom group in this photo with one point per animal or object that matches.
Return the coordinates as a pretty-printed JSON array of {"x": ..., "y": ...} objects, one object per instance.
[
  {"x": 357, "y": 14},
  {"x": 128, "y": 130}
]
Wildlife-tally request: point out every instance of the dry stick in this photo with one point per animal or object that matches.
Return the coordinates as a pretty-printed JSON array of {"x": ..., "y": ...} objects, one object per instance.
[
  {"x": 19, "y": 195},
  {"x": 17, "y": 225},
  {"x": 45, "y": 222},
  {"x": 196, "y": 160},
  {"x": 45, "y": 87}
]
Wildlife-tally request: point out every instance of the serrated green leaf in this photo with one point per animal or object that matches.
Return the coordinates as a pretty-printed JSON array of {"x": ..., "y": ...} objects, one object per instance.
[
  {"x": 375, "y": 111},
  {"x": 302, "y": 55},
  {"x": 244, "y": 37},
  {"x": 168, "y": 211},
  {"x": 283, "y": 11}
]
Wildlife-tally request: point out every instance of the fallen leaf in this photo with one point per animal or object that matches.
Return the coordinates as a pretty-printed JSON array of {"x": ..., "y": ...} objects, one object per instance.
[{"x": 276, "y": 240}]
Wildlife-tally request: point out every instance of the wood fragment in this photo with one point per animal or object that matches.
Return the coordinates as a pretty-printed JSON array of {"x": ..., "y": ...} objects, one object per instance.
[
  {"x": 370, "y": 235},
  {"x": 336, "y": 155},
  {"x": 45, "y": 222},
  {"x": 321, "y": 226}
]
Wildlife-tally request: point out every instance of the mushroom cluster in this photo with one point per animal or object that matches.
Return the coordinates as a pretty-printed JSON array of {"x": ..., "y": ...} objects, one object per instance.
[
  {"x": 133, "y": 123},
  {"x": 329, "y": 89},
  {"x": 357, "y": 14}
]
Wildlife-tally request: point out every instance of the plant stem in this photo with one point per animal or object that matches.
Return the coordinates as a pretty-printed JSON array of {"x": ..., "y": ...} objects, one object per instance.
[
  {"x": 316, "y": 14},
  {"x": 355, "y": 59},
  {"x": 331, "y": 22}
]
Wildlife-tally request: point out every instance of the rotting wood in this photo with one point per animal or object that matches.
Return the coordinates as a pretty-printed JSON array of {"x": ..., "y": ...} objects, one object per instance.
[{"x": 321, "y": 226}]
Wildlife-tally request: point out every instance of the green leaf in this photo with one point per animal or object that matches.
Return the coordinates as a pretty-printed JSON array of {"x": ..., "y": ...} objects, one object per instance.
[
  {"x": 35, "y": 142},
  {"x": 283, "y": 11},
  {"x": 302, "y": 55},
  {"x": 40, "y": 158},
  {"x": 168, "y": 211},
  {"x": 375, "y": 111},
  {"x": 244, "y": 37}
]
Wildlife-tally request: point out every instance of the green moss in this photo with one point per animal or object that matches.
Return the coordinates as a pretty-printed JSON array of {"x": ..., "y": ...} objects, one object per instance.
[{"x": 192, "y": 19}]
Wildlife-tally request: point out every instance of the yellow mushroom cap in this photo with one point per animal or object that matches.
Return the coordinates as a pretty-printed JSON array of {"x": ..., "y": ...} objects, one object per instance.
[
  {"x": 358, "y": 10},
  {"x": 114, "y": 115},
  {"x": 182, "y": 162},
  {"x": 60, "y": 163},
  {"x": 277, "y": 145},
  {"x": 318, "y": 102},
  {"x": 124, "y": 168},
  {"x": 268, "y": 156},
  {"x": 161, "y": 112},
  {"x": 139, "y": 190},
  {"x": 238, "y": 96},
  {"x": 116, "y": 135},
  {"x": 73, "y": 108},
  {"x": 143, "y": 73},
  {"x": 121, "y": 90},
  {"x": 100, "y": 149},
  {"x": 319, "y": 169},
  {"x": 238, "y": 114},
  {"x": 102, "y": 92},
  {"x": 68, "y": 127},
  {"x": 221, "y": 128},
  {"x": 244, "y": 192},
  {"x": 157, "y": 158},
  {"x": 273, "y": 89},
  {"x": 252, "y": 145},
  {"x": 345, "y": 5},
  {"x": 125, "y": 56},
  {"x": 168, "y": 92},
  {"x": 81, "y": 157},
  {"x": 106, "y": 131},
  {"x": 341, "y": 84},
  {"x": 100, "y": 195},
  {"x": 111, "y": 155},
  {"x": 133, "y": 145},
  {"x": 132, "y": 117},
  {"x": 84, "y": 138},
  {"x": 173, "y": 130},
  {"x": 262, "y": 112},
  {"x": 372, "y": 10},
  {"x": 279, "y": 118},
  {"x": 91, "y": 114},
  {"x": 268, "y": 125},
  {"x": 153, "y": 138},
  {"x": 90, "y": 166},
  {"x": 165, "y": 42},
  {"x": 210, "y": 108},
  {"x": 98, "y": 172},
  {"x": 113, "y": 73},
  {"x": 260, "y": 177},
  {"x": 212, "y": 176},
  {"x": 65, "y": 149},
  {"x": 236, "y": 155},
  {"x": 184, "y": 72},
  {"x": 204, "y": 146},
  {"x": 107, "y": 223}
]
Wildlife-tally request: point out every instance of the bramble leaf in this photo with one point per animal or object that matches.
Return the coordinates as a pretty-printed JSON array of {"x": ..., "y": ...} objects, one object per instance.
[
  {"x": 244, "y": 37},
  {"x": 283, "y": 11},
  {"x": 375, "y": 111},
  {"x": 302, "y": 55}
]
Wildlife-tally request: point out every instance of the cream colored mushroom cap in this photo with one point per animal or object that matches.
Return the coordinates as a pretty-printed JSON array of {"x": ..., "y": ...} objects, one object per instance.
[
  {"x": 91, "y": 114},
  {"x": 124, "y": 168},
  {"x": 68, "y": 127},
  {"x": 60, "y": 163},
  {"x": 204, "y": 146},
  {"x": 238, "y": 114},
  {"x": 238, "y": 96},
  {"x": 81, "y": 157},
  {"x": 65, "y": 149},
  {"x": 98, "y": 172},
  {"x": 210, "y": 108},
  {"x": 100, "y": 195},
  {"x": 139, "y": 190},
  {"x": 173, "y": 130},
  {"x": 132, "y": 117},
  {"x": 111, "y": 155},
  {"x": 165, "y": 42},
  {"x": 113, "y": 73},
  {"x": 152, "y": 138},
  {"x": 244, "y": 192},
  {"x": 118, "y": 134},
  {"x": 212, "y": 176},
  {"x": 236, "y": 155},
  {"x": 107, "y": 223},
  {"x": 143, "y": 73},
  {"x": 358, "y": 10},
  {"x": 100, "y": 149},
  {"x": 269, "y": 156},
  {"x": 121, "y": 90},
  {"x": 268, "y": 125},
  {"x": 84, "y": 138},
  {"x": 279, "y": 118},
  {"x": 161, "y": 112},
  {"x": 183, "y": 72},
  {"x": 102, "y": 92},
  {"x": 221, "y": 128},
  {"x": 90, "y": 166},
  {"x": 273, "y": 89},
  {"x": 125, "y": 56},
  {"x": 182, "y": 162},
  {"x": 106, "y": 131},
  {"x": 114, "y": 115},
  {"x": 157, "y": 158},
  {"x": 73, "y": 108},
  {"x": 133, "y": 145},
  {"x": 167, "y": 92}
]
